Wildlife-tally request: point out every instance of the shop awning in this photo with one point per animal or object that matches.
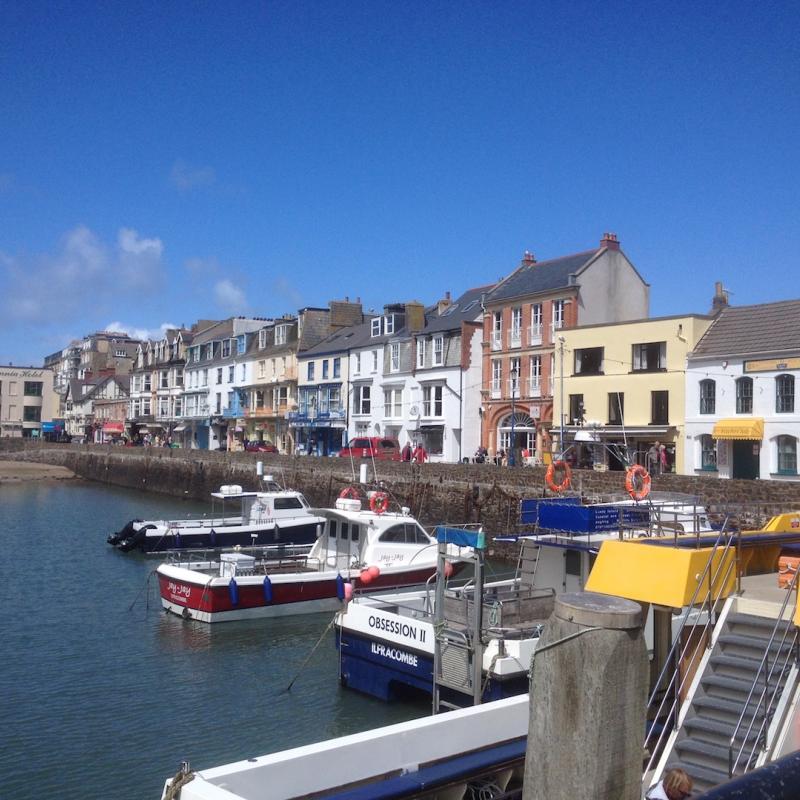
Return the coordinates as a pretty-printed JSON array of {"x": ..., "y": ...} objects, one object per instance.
[
  {"x": 179, "y": 428},
  {"x": 751, "y": 429},
  {"x": 113, "y": 427}
]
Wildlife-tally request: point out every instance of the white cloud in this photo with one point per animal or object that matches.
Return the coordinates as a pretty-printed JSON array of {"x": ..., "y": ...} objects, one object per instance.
[
  {"x": 82, "y": 272},
  {"x": 185, "y": 177},
  {"x": 229, "y": 297},
  {"x": 130, "y": 242},
  {"x": 140, "y": 333}
]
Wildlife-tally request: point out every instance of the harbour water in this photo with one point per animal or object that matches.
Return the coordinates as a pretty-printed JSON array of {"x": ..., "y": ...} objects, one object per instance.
[{"x": 103, "y": 695}]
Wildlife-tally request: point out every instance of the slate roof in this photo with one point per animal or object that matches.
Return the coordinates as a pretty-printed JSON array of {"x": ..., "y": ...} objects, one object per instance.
[
  {"x": 219, "y": 330},
  {"x": 466, "y": 308},
  {"x": 744, "y": 330},
  {"x": 542, "y": 276},
  {"x": 349, "y": 338}
]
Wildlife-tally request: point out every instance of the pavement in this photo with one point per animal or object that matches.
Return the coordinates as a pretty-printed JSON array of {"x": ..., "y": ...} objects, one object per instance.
[{"x": 23, "y": 471}]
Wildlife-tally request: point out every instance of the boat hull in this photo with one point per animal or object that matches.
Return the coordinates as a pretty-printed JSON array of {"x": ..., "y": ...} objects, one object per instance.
[
  {"x": 158, "y": 541},
  {"x": 386, "y": 670},
  {"x": 216, "y": 599}
]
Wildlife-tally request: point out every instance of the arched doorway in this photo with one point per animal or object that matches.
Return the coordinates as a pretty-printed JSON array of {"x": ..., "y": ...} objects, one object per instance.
[{"x": 523, "y": 429}]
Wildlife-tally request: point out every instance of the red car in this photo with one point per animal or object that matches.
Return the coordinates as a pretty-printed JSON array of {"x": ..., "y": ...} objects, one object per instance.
[
  {"x": 381, "y": 449},
  {"x": 260, "y": 447}
]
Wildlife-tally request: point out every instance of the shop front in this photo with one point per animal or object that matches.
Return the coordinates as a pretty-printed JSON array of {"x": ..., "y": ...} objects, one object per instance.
[
  {"x": 739, "y": 442},
  {"x": 112, "y": 431},
  {"x": 615, "y": 448}
]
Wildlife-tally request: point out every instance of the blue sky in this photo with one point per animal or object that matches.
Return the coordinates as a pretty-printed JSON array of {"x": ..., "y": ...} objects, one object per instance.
[{"x": 163, "y": 162}]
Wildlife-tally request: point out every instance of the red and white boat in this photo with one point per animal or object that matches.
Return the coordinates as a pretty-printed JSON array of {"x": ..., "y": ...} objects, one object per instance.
[{"x": 355, "y": 548}]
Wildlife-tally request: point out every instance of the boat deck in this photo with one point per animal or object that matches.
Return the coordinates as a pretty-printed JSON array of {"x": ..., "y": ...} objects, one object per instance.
[{"x": 763, "y": 587}]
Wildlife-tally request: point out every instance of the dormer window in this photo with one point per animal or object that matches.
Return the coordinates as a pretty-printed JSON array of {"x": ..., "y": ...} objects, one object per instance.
[
  {"x": 388, "y": 324},
  {"x": 262, "y": 338},
  {"x": 226, "y": 348},
  {"x": 281, "y": 334},
  {"x": 438, "y": 351},
  {"x": 376, "y": 327}
]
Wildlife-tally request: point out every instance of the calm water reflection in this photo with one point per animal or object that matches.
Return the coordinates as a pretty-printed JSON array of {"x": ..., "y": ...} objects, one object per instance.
[{"x": 103, "y": 695}]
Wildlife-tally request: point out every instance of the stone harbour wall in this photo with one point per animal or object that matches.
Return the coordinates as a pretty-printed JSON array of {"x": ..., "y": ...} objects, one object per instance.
[{"x": 435, "y": 493}]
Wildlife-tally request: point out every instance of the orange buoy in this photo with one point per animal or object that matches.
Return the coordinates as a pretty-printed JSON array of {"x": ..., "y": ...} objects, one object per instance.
[
  {"x": 566, "y": 476},
  {"x": 349, "y": 493},
  {"x": 637, "y": 482}
]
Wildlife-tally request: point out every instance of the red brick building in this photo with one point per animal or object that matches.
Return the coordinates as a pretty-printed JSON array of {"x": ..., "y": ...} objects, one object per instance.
[{"x": 523, "y": 315}]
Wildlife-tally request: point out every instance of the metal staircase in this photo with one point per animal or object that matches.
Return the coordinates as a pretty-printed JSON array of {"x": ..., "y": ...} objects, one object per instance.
[
  {"x": 726, "y": 708},
  {"x": 725, "y": 727}
]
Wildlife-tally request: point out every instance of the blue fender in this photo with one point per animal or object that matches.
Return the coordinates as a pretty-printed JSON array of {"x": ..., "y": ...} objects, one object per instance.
[
  {"x": 340, "y": 587},
  {"x": 233, "y": 590}
]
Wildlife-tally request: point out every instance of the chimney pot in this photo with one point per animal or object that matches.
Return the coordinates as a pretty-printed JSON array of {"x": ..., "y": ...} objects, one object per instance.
[
  {"x": 720, "y": 299},
  {"x": 610, "y": 241},
  {"x": 528, "y": 258}
]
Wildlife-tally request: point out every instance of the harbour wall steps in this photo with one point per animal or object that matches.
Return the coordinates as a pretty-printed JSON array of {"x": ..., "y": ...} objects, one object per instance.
[{"x": 452, "y": 493}]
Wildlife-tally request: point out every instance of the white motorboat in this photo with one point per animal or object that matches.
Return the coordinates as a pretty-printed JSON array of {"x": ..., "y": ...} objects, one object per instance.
[
  {"x": 355, "y": 548},
  {"x": 272, "y": 515}
]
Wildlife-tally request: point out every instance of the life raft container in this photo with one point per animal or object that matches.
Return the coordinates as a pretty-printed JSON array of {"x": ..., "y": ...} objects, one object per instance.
[
  {"x": 379, "y": 502},
  {"x": 566, "y": 476},
  {"x": 637, "y": 482}
]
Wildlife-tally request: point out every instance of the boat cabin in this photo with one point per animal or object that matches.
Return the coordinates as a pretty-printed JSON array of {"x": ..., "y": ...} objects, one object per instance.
[{"x": 351, "y": 535}]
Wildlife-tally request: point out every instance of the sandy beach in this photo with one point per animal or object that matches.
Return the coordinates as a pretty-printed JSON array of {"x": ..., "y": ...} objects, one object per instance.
[{"x": 18, "y": 471}]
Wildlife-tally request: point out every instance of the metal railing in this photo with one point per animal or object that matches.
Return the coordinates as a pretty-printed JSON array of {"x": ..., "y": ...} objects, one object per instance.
[
  {"x": 710, "y": 587},
  {"x": 785, "y": 656}
]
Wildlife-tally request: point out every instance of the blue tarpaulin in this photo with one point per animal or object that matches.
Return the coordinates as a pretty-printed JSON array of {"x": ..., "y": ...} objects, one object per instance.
[{"x": 529, "y": 509}]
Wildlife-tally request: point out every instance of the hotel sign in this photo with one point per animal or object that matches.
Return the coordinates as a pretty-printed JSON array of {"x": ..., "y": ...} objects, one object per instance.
[{"x": 772, "y": 365}]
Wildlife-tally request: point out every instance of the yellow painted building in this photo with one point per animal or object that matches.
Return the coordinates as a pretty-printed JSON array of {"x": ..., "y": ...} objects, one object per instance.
[{"x": 619, "y": 388}]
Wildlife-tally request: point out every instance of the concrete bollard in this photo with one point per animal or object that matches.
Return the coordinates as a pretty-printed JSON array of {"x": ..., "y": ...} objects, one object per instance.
[{"x": 587, "y": 702}]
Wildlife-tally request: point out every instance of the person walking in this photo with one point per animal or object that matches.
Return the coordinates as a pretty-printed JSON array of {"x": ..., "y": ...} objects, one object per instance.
[
  {"x": 420, "y": 454},
  {"x": 662, "y": 460},
  {"x": 405, "y": 454}
]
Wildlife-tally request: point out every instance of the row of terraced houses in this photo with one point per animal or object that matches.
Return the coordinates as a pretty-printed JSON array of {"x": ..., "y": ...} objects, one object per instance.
[{"x": 558, "y": 357}]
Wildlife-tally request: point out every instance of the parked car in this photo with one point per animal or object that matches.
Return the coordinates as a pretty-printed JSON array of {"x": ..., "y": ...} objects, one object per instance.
[
  {"x": 376, "y": 447},
  {"x": 260, "y": 447}
]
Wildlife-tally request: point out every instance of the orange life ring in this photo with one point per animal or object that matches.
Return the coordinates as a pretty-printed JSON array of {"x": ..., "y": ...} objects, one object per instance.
[
  {"x": 349, "y": 493},
  {"x": 566, "y": 480},
  {"x": 379, "y": 502},
  {"x": 637, "y": 482}
]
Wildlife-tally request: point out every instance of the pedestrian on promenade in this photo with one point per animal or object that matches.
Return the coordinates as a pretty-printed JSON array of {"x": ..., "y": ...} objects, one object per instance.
[
  {"x": 662, "y": 459},
  {"x": 420, "y": 454},
  {"x": 654, "y": 458},
  {"x": 406, "y": 452}
]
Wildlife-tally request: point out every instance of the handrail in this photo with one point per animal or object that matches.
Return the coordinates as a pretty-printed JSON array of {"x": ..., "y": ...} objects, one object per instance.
[
  {"x": 733, "y": 764},
  {"x": 677, "y": 652}
]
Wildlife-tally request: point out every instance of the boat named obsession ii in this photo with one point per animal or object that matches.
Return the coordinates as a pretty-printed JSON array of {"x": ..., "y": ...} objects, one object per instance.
[
  {"x": 355, "y": 547},
  {"x": 272, "y": 515}
]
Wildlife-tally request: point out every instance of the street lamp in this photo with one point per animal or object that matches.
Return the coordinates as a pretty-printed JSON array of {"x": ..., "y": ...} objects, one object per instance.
[
  {"x": 511, "y": 456},
  {"x": 561, "y": 393}
]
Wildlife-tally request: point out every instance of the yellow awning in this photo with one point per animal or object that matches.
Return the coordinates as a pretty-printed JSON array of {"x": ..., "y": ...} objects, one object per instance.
[{"x": 752, "y": 429}]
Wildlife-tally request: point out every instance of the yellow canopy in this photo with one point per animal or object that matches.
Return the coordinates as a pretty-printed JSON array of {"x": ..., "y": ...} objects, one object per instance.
[{"x": 752, "y": 429}]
